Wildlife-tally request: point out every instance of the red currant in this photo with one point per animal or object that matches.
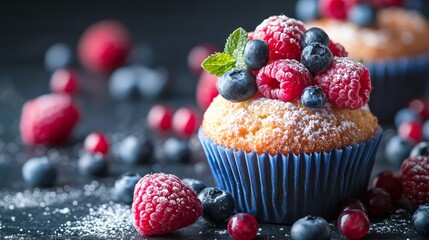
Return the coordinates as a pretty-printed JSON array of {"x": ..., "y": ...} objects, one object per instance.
[
  {"x": 411, "y": 130},
  {"x": 97, "y": 143},
  {"x": 420, "y": 106},
  {"x": 159, "y": 117},
  {"x": 185, "y": 121},
  {"x": 353, "y": 223},
  {"x": 377, "y": 201},
  {"x": 336, "y": 9},
  {"x": 353, "y": 204},
  {"x": 242, "y": 226},
  {"x": 64, "y": 80},
  {"x": 390, "y": 182}
]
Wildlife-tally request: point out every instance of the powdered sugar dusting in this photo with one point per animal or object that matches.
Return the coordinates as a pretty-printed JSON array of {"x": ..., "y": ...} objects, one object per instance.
[{"x": 396, "y": 224}]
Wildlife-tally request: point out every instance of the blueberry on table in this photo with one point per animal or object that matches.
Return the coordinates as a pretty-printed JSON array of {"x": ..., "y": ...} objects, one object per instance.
[
  {"x": 315, "y": 35},
  {"x": 421, "y": 149},
  {"x": 307, "y": 10},
  {"x": 92, "y": 165},
  {"x": 237, "y": 85},
  {"x": 218, "y": 205},
  {"x": 397, "y": 150},
  {"x": 196, "y": 185},
  {"x": 313, "y": 97},
  {"x": 420, "y": 220},
  {"x": 310, "y": 228},
  {"x": 362, "y": 14},
  {"x": 124, "y": 187},
  {"x": 39, "y": 172},
  {"x": 176, "y": 150},
  {"x": 58, "y": 56},
  {"x": 135, "y": 149},
  {"x": 256, "y": 54},
  {"x": 123, "y": 84},
  {"x": 316, "y": 57}
]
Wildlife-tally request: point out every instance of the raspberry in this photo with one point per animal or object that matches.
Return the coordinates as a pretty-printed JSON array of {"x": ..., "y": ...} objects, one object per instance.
[
  {"x": 415, "y": 180},
  {"x": 206, "y": 90},
  {"x": 338, "y": 50},
  {"x": 48, "y": 119},
  {"x": 283, "y": 36},
  {"x": 163, "y": 204},
  {"x": 283, "y": 79},
  {"x": 346, "y": 83},
  {"x": 336, "y": 9}
]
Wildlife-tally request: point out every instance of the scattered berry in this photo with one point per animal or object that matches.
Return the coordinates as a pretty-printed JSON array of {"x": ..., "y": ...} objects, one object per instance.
[
  {"x": 92, "y": 165},
  {"x": 307, "y": 10},
  {"x": 353, "y": 223},
  {"x": 206, "y": 90},
  {"x": 315, "y": 35},
  {"x": 378, "y": 202},
  {"x": 196, "y": 185},
  {"x": 420, "y": 106},
  {"x": 337, "y": 50},
  {"x": 353, "y": 204},
  {"x": 310, "y": 228},
  {"x": 237, "y": 85},
  {"x": 411, "y": 130},
  {"x": 123, "y": 84},
  {"x": 316, "y": 57},
  {"x": 420, "y": 220},
  {"x": 397, "y": 150},
  {"x": 283, "y": 79},
  {"x": 313, "y": 97},
  {"x": 346, "y": 83},
  {"x": 163, "y": 204},
  {"x": 64, "y": 80},
  {"x": 135, "y": 149},
  {"x": 362, "y": 14},
  {"x": 58, "y": 56},
  {"x": 39, "y": 172},
  {"x": 242, "y": 226},
  {"x": 150, "y": 82},
  {"x": 406, "y": 115},
  {"x": 218, "y": 205},
  {"x": 185, "y": 121},
  {"x": 390, "y": 182},
  {"x": 421, "y": 149},
  {"x": 336, "y": 9},
  {"x": 124, "y": 187},
  {"x": 197, "y": 55},
  {"x": 176, "y": 150},
  {"x": 256, "y": 54},
  {"x": 48, "y": 119},
  {"x": 388, "y": 3},
  {"x": 159, "y": 117},
  {"x": 426, "y": 130},
  {"x": 415, "y": 184},
  {"x": 97, "y": 143},
  {"x": 283, "y": 36}
]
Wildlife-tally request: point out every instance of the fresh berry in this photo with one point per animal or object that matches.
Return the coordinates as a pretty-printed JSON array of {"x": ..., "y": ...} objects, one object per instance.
[
  {"x": 420, "y": 220},
  {"x": 150, "y": 82},
  {"x": 206, "y": 90},
  {"x": 159, "y": 117},
  {"x": 310, "y": 228},
  {"x": 421, "y": 149},
  {"x": 196, "y": 185},
  {"x": 124, "y": 187},
  {"x": 353, "y": 223},
  {"x": 337, "y": 50},
  {"x": 406, "y": 115},
  {"x": 388, "y": 3},
  {"x": 256, "y": 54},
  {"x": 307, "y": 10},
  {"x": 163, "y": 204},
  {"x": 251, "y": 35},
  {"x": 123, "y": 84},
  {"x": 197, "y": 55},
  {"x": 362, "y": 15},
  {"x": 336, "y": 9},
  {"x": 104, "y": 46},
  {"x": 390, "y": 182},
  {"x": 92, "y": 165},
  {"x": 237, "y": 85},
  {"x": 378, "y": 202},
  {"x": 39, "y": 172},
  {"x": 218, "y": 205},
  {"x": 186, "y": 121},
  {"x": 64, "y": 80},
  {"x": 313, "y": 97},
  {"x": 135, "y": 149},
  {"x": 97, "y": 143},
  {"x": 397, "y": 150},
  {"x": 415, "y": 184},
  {"x": 283, "y": 36},
  {"x": 411, "y": 130},
  {"x": 346, "y": 83},
  {"x": 353, "y": 204},
  {"x": 283, "y": 79},
  {"x": 58, "y": 56},
  {"x": 48, "y": 119},
  {"x": 316, "y": 57},
  {"x": 176, "y": 150},
  {"x": 420, "y": 106},
  {"x": 315, "y": 35},
  {"x": 242, "y": 226}
]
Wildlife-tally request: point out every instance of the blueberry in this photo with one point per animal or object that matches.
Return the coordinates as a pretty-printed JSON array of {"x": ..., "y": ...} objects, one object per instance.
[
  {"x": 420, "y": 220},
  {"x": 421, "y": 149},
  {"x": 426, "y": 130},
  {"x": 307, "y": 10},
  {"x": 124, "y": 187},
  {"x": 313, "y": 97},
  {"x": 58, "y": 56},
  {"x": 237, "y": 85},
  {"x": 397, "y": 150},
  {"x": 39, "y": 172},
  {"x": 123, "y": 84},
  {"x": 218, "y": 205},
  {"x": 196, "y": 185},
  {"x": 92, "y": 165},
  {"x": 256, "y": 54},
  {"x": 316, "y": 57},
  {"x": 309, "y": 228},
  {"x": 135, "y": 149},
  {"x": 362, "y": 15},
  {"x": 150, "y": 82},
  {"x": 176, "y": 150},
  {"x": 406, "y": 115},
  {"x": 315, "y": 35}
]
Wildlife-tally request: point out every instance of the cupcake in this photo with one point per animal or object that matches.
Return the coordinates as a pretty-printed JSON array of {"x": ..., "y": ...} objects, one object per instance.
[
  {"x": 390, "y": 40},
  {"x": 291, "y": 133}
]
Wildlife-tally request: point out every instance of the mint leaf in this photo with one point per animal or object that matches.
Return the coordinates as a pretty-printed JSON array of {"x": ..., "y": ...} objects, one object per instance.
[
  {"x": 235, "y": 45},
  {"x": 218, "y": 63}
]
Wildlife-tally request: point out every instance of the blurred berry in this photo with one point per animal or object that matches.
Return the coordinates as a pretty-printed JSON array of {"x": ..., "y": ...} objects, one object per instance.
[
  {"x": 123, "y": 84},
  {"x": 176, "y": 151},
  {"x": 426, "y": 130},
  {"x": 421, "y": 149},
  {"x": 307, "y": 10},
  {"x": 135, "y": 149},
  {"x": 39, "y": 172},
  {"x": 406, "y": 115},
  {"x": 64, "y": 80},
  {"x": 378, "y": 202},
  {"x": 390, "y": 182},
  {"x": 420, "y": 106},
  {"x": 186, "y": 121},
  {"x": 150, "y": 82},
  {"x": 92, "y": 165},
  {"x": 206, "y": 90},
  {"x": 58, "y": 56},
  {"x": 397, "y": 150},
  {"x": 362, "y": 15},
  {"x": 197, "y": 55},
  {"x": 411, "y": 130},
  {"x": 97, "y": 143},
  {"x": 124, "y": 187},
  {"x": 159, "y": 117}
]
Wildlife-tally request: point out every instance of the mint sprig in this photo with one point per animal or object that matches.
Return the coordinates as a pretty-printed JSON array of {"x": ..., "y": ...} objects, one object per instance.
[{"x": 218, "y": 63}]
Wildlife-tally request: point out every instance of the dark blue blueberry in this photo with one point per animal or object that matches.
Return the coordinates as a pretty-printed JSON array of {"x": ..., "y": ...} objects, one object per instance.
[
  {"x": 313, "y": 97},
  {"x": 135, "y": 149},
  {"x": 310, "y": 228},
  {"x": 150, "y": 82},
  {"x": 124, "y": 187},
  {"x": 58, "y": 56},
  {"x": 218, "y": 205},
  {"x": 176, "y": 151},
  {"x": 420, "y": 220},
  {"x": 123, "y": 84},
  {"x": 196, "y": 185},
  {"x": 421, "y": 149},
  {"x": 256, "y": 54},
  {"x": 237, "y": 85},
  {"x": 406, "y": 115},
  {"x": 426, "y": 130},
  {"x": 315, "y": 35},
  {"x": 397, "y": 150},
  {"x": 316, "y": 57},
  {"x": 92, "y": 165},
  {"x": 307, "y": 10},
  {"x": 362, "y": 15},
  {"x": 39, "y": 172}
]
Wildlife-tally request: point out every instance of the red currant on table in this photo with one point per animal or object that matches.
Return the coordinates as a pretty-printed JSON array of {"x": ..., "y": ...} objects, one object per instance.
[
  {"x": 353, "y": 223},
  {"x": 411, "y": 130},
  {"x": 390, "y": 182},
  {"x": 242, "y": 226},
  {"x": 353, "y": 204},
  {"x": 97, "y": 143},
  {"x": 378, "y": 202},
  {"x": 185, "y": 121},
  {"x": 159, "y": 117},
  {"x": 64, "y": 80}
]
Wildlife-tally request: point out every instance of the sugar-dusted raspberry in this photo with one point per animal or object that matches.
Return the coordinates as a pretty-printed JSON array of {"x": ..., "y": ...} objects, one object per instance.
[
  {"x": 283, "y": 36},
  {"x": 415, "y": 179},
  {"x": 283, "y": 79},
  {"x": 338, "y": 50},
  {"x": 346, "y": 83},
  {"x": 163, "y": 203}
]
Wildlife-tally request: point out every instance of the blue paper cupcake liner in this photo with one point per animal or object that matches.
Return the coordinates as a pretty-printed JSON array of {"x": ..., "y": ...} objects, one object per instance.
[
  {"x": 395, "y": 82},
  {"x": 283, "y": 188}
]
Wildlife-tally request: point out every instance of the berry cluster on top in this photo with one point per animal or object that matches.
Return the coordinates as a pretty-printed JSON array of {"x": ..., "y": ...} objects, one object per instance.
[{"x": 282, "y": 60}]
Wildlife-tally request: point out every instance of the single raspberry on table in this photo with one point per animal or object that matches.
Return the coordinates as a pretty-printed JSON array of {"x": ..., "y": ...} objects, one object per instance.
[
  {"x": 337, "y": 50},
  {"x": 283, "y": 36},
  {"x": 415, "y": 179},
  {"x": 283, "y": 79},
  {"x": 346, "y": 83},
  {"x": 163, "y": 203}
]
